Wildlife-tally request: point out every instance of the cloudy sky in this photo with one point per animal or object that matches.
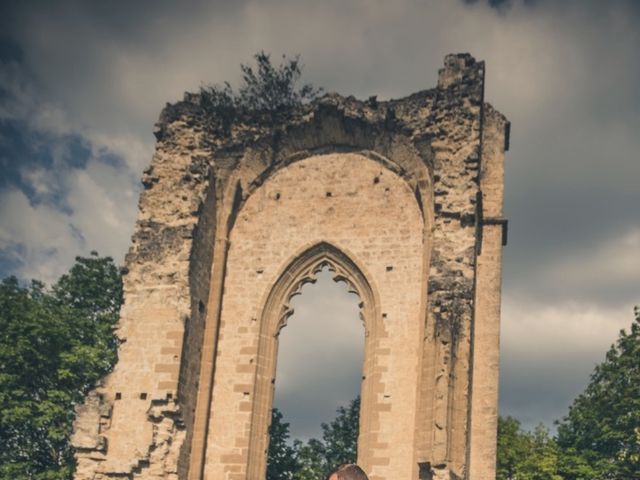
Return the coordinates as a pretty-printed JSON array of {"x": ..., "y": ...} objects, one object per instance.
[{"x": 81, "y": 84}]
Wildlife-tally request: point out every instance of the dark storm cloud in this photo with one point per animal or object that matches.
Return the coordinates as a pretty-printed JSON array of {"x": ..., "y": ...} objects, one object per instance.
[
  {"x": 95, "y": 75},
  {"x": 554, "y": 227},
  {"x": 9, "y": 50},
  {"x": 548, "y": 353},
  {"x": 37, "y": 151},
  {"x": 536, "y": 390},
  {"x": 104, "y": 60}
]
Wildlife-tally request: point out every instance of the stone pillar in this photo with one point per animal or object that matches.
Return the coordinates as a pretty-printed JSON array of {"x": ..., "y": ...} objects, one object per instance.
[{"x": 486, "y": 327}]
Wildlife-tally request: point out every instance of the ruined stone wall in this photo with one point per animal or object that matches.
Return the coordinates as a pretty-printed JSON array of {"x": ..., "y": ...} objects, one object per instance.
[
  {"x": 208, "y": 246},
  {"x": 141, "y": 425}
]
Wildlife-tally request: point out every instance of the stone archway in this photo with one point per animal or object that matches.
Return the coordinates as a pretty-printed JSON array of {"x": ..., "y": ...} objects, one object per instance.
[
  {"x": 303, "y": 269},
  {"x": 403, "y": 198},
  {"x": 349, "y": 211}
]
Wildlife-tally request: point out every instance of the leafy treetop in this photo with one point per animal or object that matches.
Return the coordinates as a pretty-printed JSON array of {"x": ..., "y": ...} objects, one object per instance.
[
  {"x": 602, "y": 429},
  {"x": 315, "y": 458},
  {"x": 55, "y": 344}
]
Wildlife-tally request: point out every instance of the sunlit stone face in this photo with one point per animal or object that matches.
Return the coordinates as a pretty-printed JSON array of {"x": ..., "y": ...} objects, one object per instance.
[{"x": 361, "y": 208}]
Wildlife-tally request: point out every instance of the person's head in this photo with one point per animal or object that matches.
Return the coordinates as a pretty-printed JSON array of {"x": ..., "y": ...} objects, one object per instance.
[{"x": 348, "y": 471}]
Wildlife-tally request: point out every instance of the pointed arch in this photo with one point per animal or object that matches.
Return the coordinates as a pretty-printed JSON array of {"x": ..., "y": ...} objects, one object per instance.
[{"x": 301, "y": 269}]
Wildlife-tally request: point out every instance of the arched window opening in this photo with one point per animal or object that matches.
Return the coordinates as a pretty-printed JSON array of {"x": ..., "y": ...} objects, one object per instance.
[{"x": 319, "y": 369}]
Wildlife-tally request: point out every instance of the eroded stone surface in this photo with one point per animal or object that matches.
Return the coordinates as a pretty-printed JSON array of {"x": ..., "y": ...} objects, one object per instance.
[{"x": 403, "y": 199}]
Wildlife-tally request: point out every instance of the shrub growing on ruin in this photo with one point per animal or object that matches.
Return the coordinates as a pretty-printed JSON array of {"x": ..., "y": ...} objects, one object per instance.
[{"x": 267, "y": 93}]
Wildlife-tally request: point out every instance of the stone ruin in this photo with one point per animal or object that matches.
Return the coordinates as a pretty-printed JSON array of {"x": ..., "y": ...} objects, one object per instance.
[{"x": 401, "y": 199}]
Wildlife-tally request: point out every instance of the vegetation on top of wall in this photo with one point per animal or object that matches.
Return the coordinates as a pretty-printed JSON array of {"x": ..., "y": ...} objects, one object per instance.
[{"x": 268, "y": 93}]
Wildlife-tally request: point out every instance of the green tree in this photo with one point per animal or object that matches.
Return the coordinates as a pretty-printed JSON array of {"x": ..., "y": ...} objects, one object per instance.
[
  {"x": 525, "y": 455},
  {"x": 311, "y": 463},
  {"x": 339, "y": 444},
  {"x": 267, "y": 93},
  {"x": 55, "y": 344},
  {"x": 599, "y": 438},
  {"x": 315, "y": 458},
  {"x": 541, "y": 463},
  {"x": 273, "y": 89},
  {"x": 513, "y": 448},
  {"x": 340, "y": 436},
  {"x": 282, "y": 463}
]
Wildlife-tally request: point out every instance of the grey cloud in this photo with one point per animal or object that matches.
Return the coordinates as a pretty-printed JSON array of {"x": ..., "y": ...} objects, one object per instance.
[
  {"x": 555, "y": 226},
  {"x": 40, "y": 240},
  {"x": 548, "y": 353},
  {"x": 565, "y": 74}
]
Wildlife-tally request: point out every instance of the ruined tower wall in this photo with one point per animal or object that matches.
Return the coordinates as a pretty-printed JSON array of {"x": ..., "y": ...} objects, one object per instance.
[
  {"x": 139, "y": 420},
  {"x": 153, "y": 417}
]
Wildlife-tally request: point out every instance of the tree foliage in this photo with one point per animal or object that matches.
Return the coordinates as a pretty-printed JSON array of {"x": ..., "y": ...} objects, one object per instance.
[
  {"x": 267, "y": 92},
  {"x": 315, "y": 458},
  {"x": 600, "y": 437},
  {"x": 340, "y": 437},
  {"x": 54, "y": 345},
  {"x": 513, "y": 448},
  {"x": 282, "y": 462},
  {"x": 525, "y": 455},
  {"x": 601, "y": 433},
  {"x": 273, "y": 89}
]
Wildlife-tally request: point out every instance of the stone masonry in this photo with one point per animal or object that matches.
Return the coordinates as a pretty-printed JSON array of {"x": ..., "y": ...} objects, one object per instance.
[{"x": 401, "y": 199}]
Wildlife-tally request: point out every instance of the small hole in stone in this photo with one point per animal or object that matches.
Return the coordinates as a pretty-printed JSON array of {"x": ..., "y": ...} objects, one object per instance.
[
  {"x": 118, "y": 396},
  {"x": 277, "y": 196},
  {"x": 169, "y": 396},
  {"x": 376, "y": 180},
  {"x": 384, "y": 315},
  {"x": 260, "y": 271},
  {"x": 389, "y": 268},
  {"x": 328, "y": 194},
  {"x": 246, "y": 394},
  {"x": 201, "y": 306},
  {"x": 143, "y": 396},
  {"x": 273, "y": 381}
]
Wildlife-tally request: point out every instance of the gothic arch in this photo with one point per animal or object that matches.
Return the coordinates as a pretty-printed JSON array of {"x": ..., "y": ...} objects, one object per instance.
[
  {"x": 347, "y": 211},
  {"x": 411, "y": 166},
  {"x": 302, "y": 269},
  {"x": 331, "y": 130}
]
